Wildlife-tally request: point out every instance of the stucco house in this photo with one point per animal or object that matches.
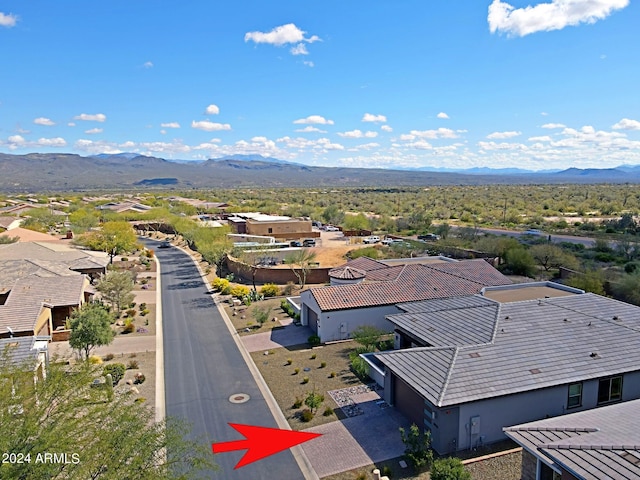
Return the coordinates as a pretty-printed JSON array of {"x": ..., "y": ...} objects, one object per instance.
[
  {"x": 592, "y": 445},
  {"x": 509, "y": 355},
  {"x": 365, "y": 291}
]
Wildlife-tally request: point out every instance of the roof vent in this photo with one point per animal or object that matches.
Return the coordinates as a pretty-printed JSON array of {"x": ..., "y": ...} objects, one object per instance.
[
  {"x": 594, "y": 355},
  {"x": 566, "y": 320},
  {"x": 474, "y": 355},
  {"x": 535, "y": 371},
  {"x": 539, "y": 302},
  {"x": 507, "y": 317},
  {"x": 615, "y": 317}
]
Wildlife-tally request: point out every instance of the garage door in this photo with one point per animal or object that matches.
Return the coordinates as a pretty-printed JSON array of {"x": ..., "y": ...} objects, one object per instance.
[
  {"x": 312, "y": 319},
  {"x": 408, "y": 402}
]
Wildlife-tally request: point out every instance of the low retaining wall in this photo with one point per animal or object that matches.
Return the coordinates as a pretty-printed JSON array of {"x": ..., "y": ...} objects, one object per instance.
[{"x": 279, "y": 276}]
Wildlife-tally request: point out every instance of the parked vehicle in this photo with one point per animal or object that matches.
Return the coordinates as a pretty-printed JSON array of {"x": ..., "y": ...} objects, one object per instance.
[
  {"x": 534, "y": 232},
  {"x": 165, "y": 245},
  {"x": 308, "y": 242},
  {"x": 429, "y": 237},
  {"x": 331, "y": 228},
  {"x": 295, "y": 243},
  {"x": 371, "y": 239}
]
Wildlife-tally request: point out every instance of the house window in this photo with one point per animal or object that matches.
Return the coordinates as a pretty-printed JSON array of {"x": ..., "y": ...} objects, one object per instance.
[
  {"x": 270, "y": 230},
  {"x": 575, "y": 395},
  {"x": 610, "y": 389}
]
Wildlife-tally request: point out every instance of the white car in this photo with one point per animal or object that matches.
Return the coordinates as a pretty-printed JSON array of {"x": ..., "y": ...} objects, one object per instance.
[
  {"x": 372, "y": 239},
  {"x": 534, "y": 232},
  {"x": 331, "y": 228}
]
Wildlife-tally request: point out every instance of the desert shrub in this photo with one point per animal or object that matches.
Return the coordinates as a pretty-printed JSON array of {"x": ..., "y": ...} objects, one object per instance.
[
  {"x": 140, "y": 400},
  {"x": 144, "y": 281},
  {"x": 296, "y": 371},
  {"x": 305, "y": 380},
  {"x": 289, "y": 361},
  {"x": 386, "y": 471},
  {"x": 132, "y": 305},
  {"x": 149, "y": 253},
  {"x": 129, "y": 327},
  {"x": 133, "y": 364},
  {"x": 261, "y": 314},
  {"x": 220, "y": 284},
  {"x": 313, "y": 357},
  {"x": 449, "y": 469},
  {"x": 124, "y": 259},
  {"x": 131, "y": 313},
  {"x": 107, "y": 357},
  {"x": 314, "y": 340},
  {"x": 95, "y": 360},
  {"x": 306, "y": 415},
  {"x": 297, "y": 403},
  {"x": 269, "y": 290},
  {"x": 288, "y": 289},
  {"x": 142, "y": 306},
  {"x": 239, "y": 291},
  {"x": 332, "y": 375},
  {"x": 327, "y": 412},
  {"x": 133, "y": 355},
  {"x": 418, "y": 447},
  {"x": 323, "y": 364},
  {"x": 144, "y": 313},
  {"x": 116, "y": 370},
  {"x": 139, "y": 378},
  {"x": 361, "y": 476}
]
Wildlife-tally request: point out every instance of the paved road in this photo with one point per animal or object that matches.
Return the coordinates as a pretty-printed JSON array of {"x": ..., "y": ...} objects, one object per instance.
[
  {"x": 204, "y": 368},
  {"x": 586, "y": 241}
]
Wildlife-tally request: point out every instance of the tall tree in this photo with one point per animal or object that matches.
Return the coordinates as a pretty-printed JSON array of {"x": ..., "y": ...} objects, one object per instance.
[
  {"x": 116, "y": 288},
  {"x": 301, "y": 262},
  {"x": 90, "y": 327},
  {"x": 114, "y": 238},
  {"x": 551, "y": 256},
  {"x": 102, "y": 438}
]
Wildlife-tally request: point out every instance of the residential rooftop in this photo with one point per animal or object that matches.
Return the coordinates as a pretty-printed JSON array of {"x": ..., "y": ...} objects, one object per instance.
[
  {"x": 483, "y": 350},
  {"x": 599, "y": 443}
]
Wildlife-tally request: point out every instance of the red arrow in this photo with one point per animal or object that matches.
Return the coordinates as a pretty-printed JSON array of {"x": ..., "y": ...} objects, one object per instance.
[{"x": 261, "y": 442}]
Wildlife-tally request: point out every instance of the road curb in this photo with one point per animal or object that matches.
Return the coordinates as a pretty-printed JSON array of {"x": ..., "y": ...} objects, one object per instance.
[
  {"x": 298, "y": 454},
  {"x": 160, "y": 389}
]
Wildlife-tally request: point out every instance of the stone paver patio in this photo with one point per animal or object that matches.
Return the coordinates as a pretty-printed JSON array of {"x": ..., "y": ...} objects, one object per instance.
[{"x": 357, "y": 441}]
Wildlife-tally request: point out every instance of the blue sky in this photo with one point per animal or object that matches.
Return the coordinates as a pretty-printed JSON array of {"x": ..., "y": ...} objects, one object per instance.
[{"x": 453, "y": 84}]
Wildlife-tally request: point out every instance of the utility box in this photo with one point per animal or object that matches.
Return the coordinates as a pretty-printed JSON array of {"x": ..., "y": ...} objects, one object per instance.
[{"x": 475, "y": 425}]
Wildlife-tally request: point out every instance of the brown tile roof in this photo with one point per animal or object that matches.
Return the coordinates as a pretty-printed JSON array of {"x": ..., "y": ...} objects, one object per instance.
[
  {"x": 364, "y": 263},
  {"x": 413, "y": 283},
  {"x": 346, "y": 273},
  {"x": 26, "y": 235}
]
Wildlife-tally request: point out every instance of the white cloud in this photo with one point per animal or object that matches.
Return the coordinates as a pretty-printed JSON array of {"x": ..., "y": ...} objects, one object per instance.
[
  {"x": 212, "y": 110},
  {"x": 308, "y": 63},
  {"x": 545, "y": 138},
  {"x": 147, "y": 65},
  {"x": 627, "y": 124},
  {"x": 98, "y": 117},
  {"x": 71, "y": 124},
  {"x": 553, "y": 125},
  {"x": 433, "y": 134},
  {"x": 544, "y": 114},
  {"x": 420, "y": 145},
  {"x": 93, "y": 131},
  {"x": 208, "y": 126},
  {"x": 52, "y": 142},
  {"x": 299, "y": 49},
  {"x": 314, "y": 120},
  {"x": 386, "y": 128},
  {"x": 44, "y": 121},
  {"x": 358, "y": 134},
  {"x": 170, "y": 125},
  {"x": 281, "y": 35},
  {"x": 16, "y": 139},
  {"x": 370, "y": 117},
  {"x": 442, "y": 115},
  {"x": 501, "y": 135},
  {"x": 310, "y": 129},
  {"x": 558, "y": 14},
  {"x": 8, "y": 20}
]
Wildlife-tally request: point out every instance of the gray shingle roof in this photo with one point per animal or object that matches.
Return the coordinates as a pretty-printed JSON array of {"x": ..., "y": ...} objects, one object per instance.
[
  {"x": 537, "y": 344},
  {"x": 19, "y": 349},
  {"x": 594, "y": 444}
]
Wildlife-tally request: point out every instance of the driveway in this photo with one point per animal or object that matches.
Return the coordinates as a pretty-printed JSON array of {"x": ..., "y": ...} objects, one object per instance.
[
  {"x": 283, "y": 337},
  {"x": 358, "y": 441}
]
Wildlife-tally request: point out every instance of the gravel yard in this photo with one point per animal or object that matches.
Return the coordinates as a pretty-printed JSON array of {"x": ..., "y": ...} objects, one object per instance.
[{"x": 249, "y": 324}]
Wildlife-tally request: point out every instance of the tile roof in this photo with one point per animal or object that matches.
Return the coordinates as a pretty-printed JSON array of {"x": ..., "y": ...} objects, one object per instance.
[
  {"x": 20, "y": 349},
  {"x": 536, "y": 344},
  {"x": 364, "y": 263},
  {"x": 51, "y": 251},
  {"x": 347, "y": 273},
  {"x": 599, "y": 443},
  {"x": 406, "y": 284},
  {"x": 12, "y": 270},
  {"x": 29, "y": 294}
]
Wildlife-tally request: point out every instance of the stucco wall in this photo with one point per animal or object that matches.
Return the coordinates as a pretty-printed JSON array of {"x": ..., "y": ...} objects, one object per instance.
[
  {"x": 295, "y": 227},
  {"x": 330, "y": 323},
  {"x": 279, "y": 276}
]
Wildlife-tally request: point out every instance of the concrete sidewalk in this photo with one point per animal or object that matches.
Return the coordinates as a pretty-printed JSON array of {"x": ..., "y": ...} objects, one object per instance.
[
  {"x": 284, "y": 337},
  {"x": 119, "y": 345}
]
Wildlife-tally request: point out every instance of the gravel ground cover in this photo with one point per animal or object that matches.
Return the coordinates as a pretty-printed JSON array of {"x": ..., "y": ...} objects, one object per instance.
[
  {"x": 249, "y": 325},
  {"x": 287, "y": 386},
  {"x": 146, "y": 364}
]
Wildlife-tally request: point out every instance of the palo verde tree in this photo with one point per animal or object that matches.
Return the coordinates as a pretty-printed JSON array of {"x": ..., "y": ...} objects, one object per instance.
[
  {"x": 90, "y": 328},
  {"x": 114, "y": 238},
  {"x": 417, "y": 447},
  {"x": 116, "y": 288},
  {"x": 104, "y": 435},
  {"x": 301, "y": 262}
]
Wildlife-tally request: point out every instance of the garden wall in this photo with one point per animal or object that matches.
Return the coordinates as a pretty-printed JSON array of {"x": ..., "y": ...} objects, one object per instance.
[{"x": 279, "y": 276}]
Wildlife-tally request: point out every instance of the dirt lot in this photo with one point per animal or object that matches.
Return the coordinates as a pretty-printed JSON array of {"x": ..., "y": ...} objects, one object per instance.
[{"x": 287, "y": 385}]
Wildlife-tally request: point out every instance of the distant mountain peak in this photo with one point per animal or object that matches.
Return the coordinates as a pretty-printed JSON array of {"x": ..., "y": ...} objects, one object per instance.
[{"x": 253, "y": 158}]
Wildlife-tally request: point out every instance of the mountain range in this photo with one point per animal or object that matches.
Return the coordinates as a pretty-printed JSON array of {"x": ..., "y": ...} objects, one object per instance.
[{"x": 69, "y": 172}]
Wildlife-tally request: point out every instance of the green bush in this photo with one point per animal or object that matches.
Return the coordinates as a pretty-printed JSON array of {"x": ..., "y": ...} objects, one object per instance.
[
  {"x": 116, "y": 370},
  {"x": 297, "y": 403},
  {"x": 289, "y": 361},
  {"x": 95, "y": 360},
  {"x": 313, "y": 357},
  {"x": 129, "y": 327},
  {"x": 108, "y": 356},
  {"x": 314, "y": 340},
  {"x": 270, "y": 290},
  {"x": 449, "y": 469},
  {"x": 296, "y": 371},
  {"x": 142, "y": 306},
  {"x": 306, "y": 415},
  {"x": 239, "y": 291},
  {"x": 332, "y": 375},
  {"x": 140, "y": 400},
  {"x": 323, "y": 364},
  {"x": 327, "y": 412},
  {"x": 305, "y": 380},
  {"x": 220, "y": 284},
  {"x": 131, "y": 313}
]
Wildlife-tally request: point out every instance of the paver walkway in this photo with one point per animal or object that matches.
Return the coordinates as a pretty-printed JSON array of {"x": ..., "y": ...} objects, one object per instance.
[
  {"x": 290, "y": 335},
  {"x": 120, "y": 344},
  {"x": 357, "y": 441}
]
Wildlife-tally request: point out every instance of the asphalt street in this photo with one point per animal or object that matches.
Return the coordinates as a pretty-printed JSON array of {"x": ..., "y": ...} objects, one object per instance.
[{"x": 204, "y": 369}]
